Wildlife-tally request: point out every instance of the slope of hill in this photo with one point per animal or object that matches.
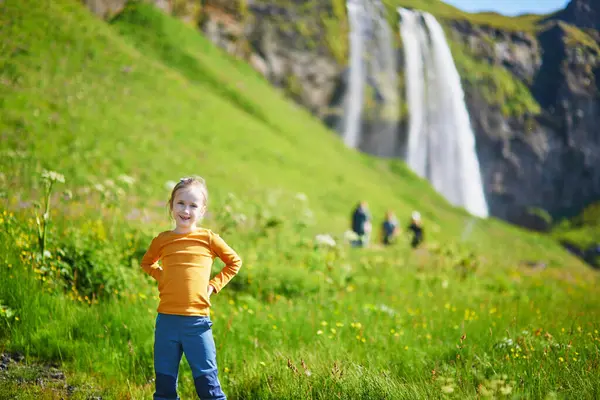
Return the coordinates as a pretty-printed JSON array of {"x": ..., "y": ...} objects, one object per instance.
[
  {"x": 122, "y": 109},
  {"x": 581, "y": 234}
]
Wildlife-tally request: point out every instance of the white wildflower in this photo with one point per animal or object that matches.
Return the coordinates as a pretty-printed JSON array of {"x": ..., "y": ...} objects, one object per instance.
[
  {"x": 126, "y": 179},
  {"x": 53, "y": 176},
  {"x": 506, "y": 390},
  {"x": 325, "y": 240},
  {"x": 240, "y": 218},
  {"x": 350, "y": 236},
  {"x": 447, "y": 389},
  {"x": 301, "y": 196},
  {"x": 384, "y": 308},
  {"x": 308, "y": 215}
]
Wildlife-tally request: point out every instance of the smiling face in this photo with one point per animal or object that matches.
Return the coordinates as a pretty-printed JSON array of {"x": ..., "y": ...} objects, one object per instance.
[{"x": 188, "y": 208}]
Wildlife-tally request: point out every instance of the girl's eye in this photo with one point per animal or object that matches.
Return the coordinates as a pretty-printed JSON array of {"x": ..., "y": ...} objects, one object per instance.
[
  {"x": 180, "y": 202},
  {"x": 194, "y": 206}
]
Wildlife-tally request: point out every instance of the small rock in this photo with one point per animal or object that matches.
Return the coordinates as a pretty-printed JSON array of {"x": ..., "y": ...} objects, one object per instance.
[{"x": 59, "y": 375}]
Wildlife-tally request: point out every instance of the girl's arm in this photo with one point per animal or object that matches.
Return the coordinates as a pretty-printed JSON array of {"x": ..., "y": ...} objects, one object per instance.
[
  {"x": 232, "y": 261},
  {"x": 149, "y": 261}
]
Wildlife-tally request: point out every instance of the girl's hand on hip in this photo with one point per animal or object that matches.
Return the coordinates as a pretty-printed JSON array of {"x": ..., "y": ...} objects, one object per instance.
[{"x": 210, "y": 290}]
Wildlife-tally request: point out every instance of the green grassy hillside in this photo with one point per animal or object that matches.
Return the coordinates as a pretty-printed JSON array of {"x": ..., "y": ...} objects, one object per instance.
[
  {"x": 581, "y": 233},
  {"x": 121, "y": 109}
]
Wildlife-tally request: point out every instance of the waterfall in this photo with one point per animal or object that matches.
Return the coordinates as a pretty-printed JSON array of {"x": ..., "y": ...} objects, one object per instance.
[
  {"x": 356, "y": 80},
  {"x": 372, "y": 65},
  {"x": 441, "y": 142},
  {"x": 414, "y": 41}
]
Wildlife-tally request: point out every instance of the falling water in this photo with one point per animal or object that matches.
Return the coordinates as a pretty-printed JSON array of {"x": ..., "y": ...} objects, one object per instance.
[
  {"x": 356, "y": 85},
  {"x": 441, "y": 143},
  {"x": 414, "y": 38},
  {"x": 372, "y": 64}
]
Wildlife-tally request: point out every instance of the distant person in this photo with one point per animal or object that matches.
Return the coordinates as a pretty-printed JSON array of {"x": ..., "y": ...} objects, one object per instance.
[
  {"x": 389, "y": 228},
  {"x": 416, "y": 226},
  {"x": 361, "y": 224},
  {"x": 183, "y": 325}
]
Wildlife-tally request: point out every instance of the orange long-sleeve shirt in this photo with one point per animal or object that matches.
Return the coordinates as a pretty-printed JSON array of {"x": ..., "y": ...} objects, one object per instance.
[{"x": 184, "y": 276}]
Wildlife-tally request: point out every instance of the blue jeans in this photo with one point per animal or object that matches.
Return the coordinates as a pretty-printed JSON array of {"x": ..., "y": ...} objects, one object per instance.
[
  {"x": 362, "y": 240},
  {"x": 179, "y": 334}
]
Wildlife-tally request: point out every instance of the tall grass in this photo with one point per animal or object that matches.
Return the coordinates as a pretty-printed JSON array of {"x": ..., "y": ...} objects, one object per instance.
[{"x": 307, "y": 321}]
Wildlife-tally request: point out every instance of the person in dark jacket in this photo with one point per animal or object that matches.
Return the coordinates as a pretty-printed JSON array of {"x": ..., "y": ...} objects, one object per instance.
[
  {"x": 416, "y": 226},
  {"x": 361, "y": 224},
  {"x": 389, "y": 228}
]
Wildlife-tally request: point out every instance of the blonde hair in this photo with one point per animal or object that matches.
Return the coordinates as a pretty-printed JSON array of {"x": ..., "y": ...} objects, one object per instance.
[{"x": 187, "y": 182}]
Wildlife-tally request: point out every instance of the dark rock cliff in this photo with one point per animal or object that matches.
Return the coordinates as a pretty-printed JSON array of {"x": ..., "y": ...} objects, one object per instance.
[
  {"x": 550, "y": 162},
  {"x": 581, "y": 13}
]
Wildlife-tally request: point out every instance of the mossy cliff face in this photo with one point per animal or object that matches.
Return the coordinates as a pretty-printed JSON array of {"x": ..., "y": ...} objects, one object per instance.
[
  {"x": 531, "y": 85},
  {"x": 108, "y": 8},
  {"x": 284, "y": 41},
  {"x": 537, "y": 143}
]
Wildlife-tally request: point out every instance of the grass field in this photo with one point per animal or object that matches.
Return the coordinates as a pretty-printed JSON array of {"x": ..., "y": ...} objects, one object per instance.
[{"x": 120, "y": 109}]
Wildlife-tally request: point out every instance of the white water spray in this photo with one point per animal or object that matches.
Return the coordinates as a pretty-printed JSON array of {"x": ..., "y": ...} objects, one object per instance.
[
  {"x": 441, "y": 142},
  {"x": 356, "y": 84}
]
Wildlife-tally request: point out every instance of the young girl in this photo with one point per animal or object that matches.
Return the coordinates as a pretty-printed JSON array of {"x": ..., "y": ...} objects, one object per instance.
[{"x": 183, "y": 324}]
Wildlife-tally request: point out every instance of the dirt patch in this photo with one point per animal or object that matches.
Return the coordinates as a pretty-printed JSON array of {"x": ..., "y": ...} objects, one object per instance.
[{"x": 20, "y": 379}]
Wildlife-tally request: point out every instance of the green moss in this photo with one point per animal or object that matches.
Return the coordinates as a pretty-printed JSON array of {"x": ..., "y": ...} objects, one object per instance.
[
  {"x": 243, "y": 8},
  {"x": 582, "y": 230},
  {"x": 575, "y": 37},
  {"x": 187, "y": 9},
  {"x": 582, "y": 238},
  {"x": 490, "y": 42},
  {"x": 336, "y": 31},
  {"x": 293, "y": 85},
  {"x": 303, "y": 28},
  {"x": 525, "y": 23},
  {"x": 316, "y": 25},
  {"x": 497, "y": 85}
]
